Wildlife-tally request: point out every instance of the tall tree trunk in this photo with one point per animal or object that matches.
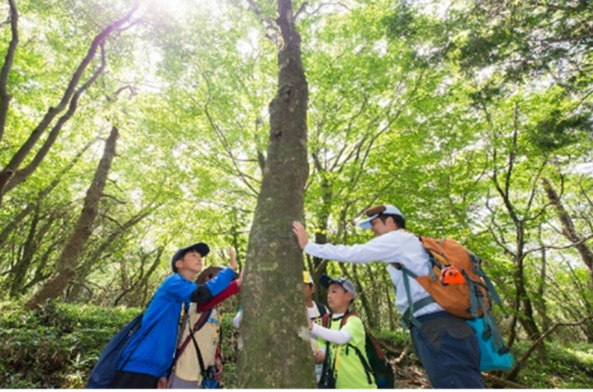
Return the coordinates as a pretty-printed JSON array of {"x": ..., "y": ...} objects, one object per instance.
[
  {"x": 67, "y": 262},
  {"x": 274, "y": 345},
  {"x": 569, "y": 230}
]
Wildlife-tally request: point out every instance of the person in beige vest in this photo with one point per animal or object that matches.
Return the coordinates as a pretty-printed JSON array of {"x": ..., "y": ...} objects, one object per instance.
[{"x": 200, "y": 338}]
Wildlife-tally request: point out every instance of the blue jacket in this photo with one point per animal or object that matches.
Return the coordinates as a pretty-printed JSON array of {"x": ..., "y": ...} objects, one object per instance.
[{"x": 152, "y": 349}]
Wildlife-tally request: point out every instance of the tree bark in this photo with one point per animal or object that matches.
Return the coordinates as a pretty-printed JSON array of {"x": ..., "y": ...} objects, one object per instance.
[
  {"x": 569, "y": 230},
  {"x": 67, "y": 262},
  {"x": 274, "y": 350}
]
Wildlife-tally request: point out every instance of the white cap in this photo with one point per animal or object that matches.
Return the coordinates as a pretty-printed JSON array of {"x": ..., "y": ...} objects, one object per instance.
[{"x": 384, "y": 209}]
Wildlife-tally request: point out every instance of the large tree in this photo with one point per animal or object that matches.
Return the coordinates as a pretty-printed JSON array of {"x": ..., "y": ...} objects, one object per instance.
[{"x": 274, "y": 350}]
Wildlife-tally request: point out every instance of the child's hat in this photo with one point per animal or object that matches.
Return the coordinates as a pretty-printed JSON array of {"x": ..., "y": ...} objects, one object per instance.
[
  {"x": 345, "y": 283},
  {"x": 307, "y": 278},
  {"x": 200, "y": 247},
  {"x": 373, "y": 212}
]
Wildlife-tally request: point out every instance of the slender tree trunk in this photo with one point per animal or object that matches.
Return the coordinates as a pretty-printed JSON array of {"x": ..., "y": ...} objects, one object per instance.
[
  {"x": 31, "y": 246},
  {"x": 10, "y": 227},
  {"x": 19, "y": 272},
  {"x": 14, "y": 224},
  {"x": 540, "y": 303},
  {"x": 86, "y": 267},
  {"x": 522, "y": 297},
  {"x": 5, "y": 97},
  {"x": 365, "y": 300},
  {"x": 136, "y": 292},
  {"x": 569, "y": 230},
  {"x": 389, "y": 295},
  {"x": 67, "y": 262},
  {"x": 10, "y": 175},
  {"x": 274, "y": 349}
]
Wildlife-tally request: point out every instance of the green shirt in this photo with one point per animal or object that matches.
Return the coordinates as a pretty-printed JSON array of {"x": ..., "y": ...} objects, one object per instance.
[{"x": 350, "y": 370}]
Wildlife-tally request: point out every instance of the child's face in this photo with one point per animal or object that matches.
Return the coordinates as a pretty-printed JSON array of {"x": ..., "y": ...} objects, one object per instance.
[
  {"x": 338, "y": 299},
  {"x": 191, "y": 261},
  {"x": 308, "y": 290}
]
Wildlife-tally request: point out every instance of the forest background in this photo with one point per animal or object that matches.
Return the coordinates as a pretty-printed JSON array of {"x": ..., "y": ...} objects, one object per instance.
[{"x": 130, "y": 129}]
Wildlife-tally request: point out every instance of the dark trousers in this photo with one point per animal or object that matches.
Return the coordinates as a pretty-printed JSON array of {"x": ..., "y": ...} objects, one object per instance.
[
  {"x": 448, "y": 349},
  {"x": 129, "y": 380}
]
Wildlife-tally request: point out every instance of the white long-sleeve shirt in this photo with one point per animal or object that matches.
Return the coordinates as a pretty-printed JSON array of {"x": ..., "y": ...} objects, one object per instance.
[
  {"x": 397, "y": 246},
  {"x": 338, "y": 337}
]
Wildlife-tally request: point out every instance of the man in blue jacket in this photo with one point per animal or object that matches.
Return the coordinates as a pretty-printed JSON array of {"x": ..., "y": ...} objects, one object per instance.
[{"x": 147, "y": 360}]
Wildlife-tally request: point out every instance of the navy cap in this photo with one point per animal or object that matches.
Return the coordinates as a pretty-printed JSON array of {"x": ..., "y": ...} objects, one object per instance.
[
  {"x": 200, "y": 247},
  {"x": 346, "y": 284}
]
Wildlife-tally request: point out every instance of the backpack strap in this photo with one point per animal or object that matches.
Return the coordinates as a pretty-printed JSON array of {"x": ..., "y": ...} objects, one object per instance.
[
  {"x": 193, "y": 338},
  {"x": 367, "y": 367},
  {"x": 325, "y": 320},
  {"x": 197, "y": 326},
  {"x": 476, "y": 261},
  {"x": 408, "y": 317}
]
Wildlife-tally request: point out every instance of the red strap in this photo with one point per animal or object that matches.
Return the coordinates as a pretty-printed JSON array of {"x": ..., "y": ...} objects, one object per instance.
[
  {"x": 231, "y": 290},
  {"x": 324, "y": 320},
  {"x": 199, "y": 324}
]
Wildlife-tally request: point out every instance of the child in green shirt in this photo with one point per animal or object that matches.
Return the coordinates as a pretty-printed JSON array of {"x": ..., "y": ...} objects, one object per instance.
[{"x": 342, "y": 344}]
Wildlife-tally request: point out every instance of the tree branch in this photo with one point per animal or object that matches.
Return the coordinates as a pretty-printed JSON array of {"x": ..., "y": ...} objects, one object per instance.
[
  {"x": 502, "y": 382},
  {"x": 305, "y": 4},
  {"x": 521, "y": 362},
  {"x": 272, "y": 29},
  {"x": 24, "y": 173},
  {"x": 18, "y": 158},
  {"x": 225, "y": 144},
  {"x": 572, "y": 245}
]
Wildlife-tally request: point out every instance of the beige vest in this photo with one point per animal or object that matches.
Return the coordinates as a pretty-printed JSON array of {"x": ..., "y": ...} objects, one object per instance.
[{"x": 188, "y": 365}]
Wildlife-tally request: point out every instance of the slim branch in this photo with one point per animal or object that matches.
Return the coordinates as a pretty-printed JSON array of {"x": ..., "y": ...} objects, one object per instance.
[
  {"x": 521, "y": 362},
  {"x": 316, "y": 10},
  {"x": 272, "y": 29}
]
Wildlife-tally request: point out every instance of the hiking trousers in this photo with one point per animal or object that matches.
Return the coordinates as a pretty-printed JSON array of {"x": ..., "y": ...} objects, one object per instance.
[{"x": 448, "y": 349}]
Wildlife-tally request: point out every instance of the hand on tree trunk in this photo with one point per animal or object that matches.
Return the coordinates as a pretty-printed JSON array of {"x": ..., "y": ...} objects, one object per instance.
[
  {"x": 233, "y": 263},
  {"x": 301, "y": 234}
]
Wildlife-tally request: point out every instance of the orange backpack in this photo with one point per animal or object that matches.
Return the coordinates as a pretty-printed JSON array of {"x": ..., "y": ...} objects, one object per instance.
[{"x": 456, "y": 280}]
